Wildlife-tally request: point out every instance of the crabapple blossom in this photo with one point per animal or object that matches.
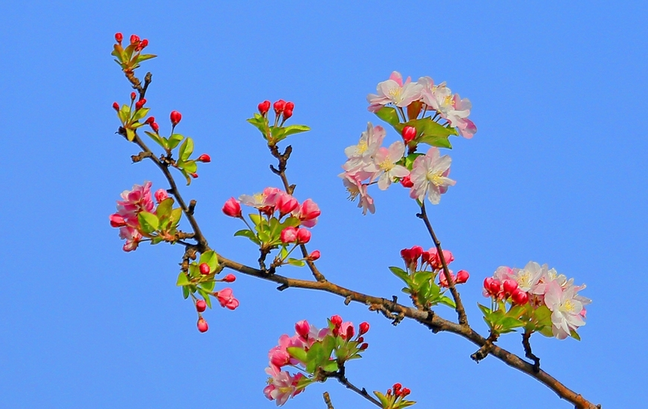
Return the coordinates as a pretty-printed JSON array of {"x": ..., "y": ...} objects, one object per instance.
[
  {"x": 314, "y": 255},
  {"x": 226, "y": 298},
  {"x": 386, "y": 159},
  {"x": 432, "y": 258},
  {"x": 565, "y": 309},
  {"x": 230, "y": 278},
  {"x": 356, "y": 188},
  {"x": 308, "y": 213},
  {"x": 232, "y": 208},
  {"x": 264, "y": 107},
  {"x": 201, "y": 305},
  {"x": 394, "y": 91},
  {"x": 288, "y": 235},
  {"x": 360, "y": 156},
  {"x": 286, "y": 204},
  {"x": 430, "y": 176},
  {"x": 281, "y": 385},
  {"x": 175, "y": 117},
  {"x": 160, "y": 195},
  {"x": 132, "y": 237},
  {"x": 134, "y": 201},
  {"x": 303, "y": 236},
  {"x": 462, "y": 276}
]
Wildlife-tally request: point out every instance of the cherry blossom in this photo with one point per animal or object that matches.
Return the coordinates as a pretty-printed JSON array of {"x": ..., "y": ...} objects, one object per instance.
[
  {"x": 565, "y": 309},
  {"x": 430, "y": 176},
  {"x": 386, "y": 159},
  {"x": 394, "y": 91},
  {"x": 356, "y": 188}
]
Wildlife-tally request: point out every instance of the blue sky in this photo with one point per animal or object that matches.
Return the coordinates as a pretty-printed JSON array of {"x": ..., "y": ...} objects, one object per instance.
[{"x": 555, "y": 174}]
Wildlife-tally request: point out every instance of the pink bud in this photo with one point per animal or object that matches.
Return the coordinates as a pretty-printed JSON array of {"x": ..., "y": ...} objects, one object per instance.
[
  {"x": 509, "y": 286},
  {"x": 226, "y": 299},
  {"x": 407, "y": 182},
  {"x": 119, "y": 37},
  {"x": 175, "y": 117},
  {"x": 303, "y": 236},
  {"x": 302, "y": 328},
  {"x": 202, "y": 325},
  {"x": 409, "y": 133},
  {"x": 149, "y": 120},
  {"x": 364, "y": 328},
  {"x": 134, "y": 39},
  {"x": 232, "y": 208},
  {"x": 264, "y": 107},
  {"x": 143, "y": 44},
  {"x": 116, "y": 106},
  {"x": 204, "y": 158},
  {"x": 230, "y": 278},
  {"x": 201, "y": 305},
  {"x": 336, "y": 320},
  {"x": 204, "y": 268},
  {"x": 286, "y": 204},
  {"x": 160, "y": 195},
  {"x": 287, "y": 113},
  {"x": 117, "y": 220},
  {"x": 462, "y": 276},
  {"x": 519, "y": 297},
  {"x": 288, "y": 235},
  {"x": 279, "y": 106},
  {"x": 314, "y": 255}
]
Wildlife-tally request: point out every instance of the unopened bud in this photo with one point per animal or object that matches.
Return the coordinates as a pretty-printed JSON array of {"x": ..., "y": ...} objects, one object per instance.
[
  {"x": 336, "y": 320},
  {"x": 409, "y": 133},
  {"x": 175, "y": 117},
  {"x": 134, "y": 39},
  {"x": 230, "y": 278},
  {"x": 194, "y": 175},
  {"x": 364, "y": 327},
  {"x": 139, "y": 104},
  {"x": 204, "y": 268},
  {"x": 364, "y": 346},
  {"x": 149, "y": 120},
  {"x": 133, "y": 96},
  {"x": 202, "y": 325},
  {"x": 119, "y": 37},
  {"x": 314, "y": 255},
  {"x": 204, "y": 158},
  {"x": 407, "y": 182},
  {"x": 264, "y": 107},
  {"x": 201, "y": 305},
  {"x": 287, "y": 113},
  {"x": 279, "y": 106},
  {"x": 155, "y": 127},
  {"x": 116, "y": 106}
]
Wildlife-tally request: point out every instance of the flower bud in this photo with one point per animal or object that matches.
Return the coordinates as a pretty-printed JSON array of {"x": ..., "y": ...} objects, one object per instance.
[
  {"x": 230, "y": 278},
  {"x": 303, "y": 236},
  {"x": 201, "y": 305},
  {"x": 302, "y": 328},
  {"x": 139, "y": 104},
  {"x": 509, "y": 286},
  {"x": 119, "y": 37},
  {"x": 314, "y": 255},
  {"x": 407, "y": 182},
  {"x": 350, "y": 332},
  {"x": 519, "y": 297},
  {"x": 160, "y": 195},
  {"x": 155, "y": 127},
  {"x": 287, "y": 113},
  {"x": 288, "y": 235},
  {"x": 232, "y": 208},
  {"x": 116, "y": 106},
  {"x": 134, "y": 39},
  {"x": 194, "y": 175},
  {"x": 462, "y": 276},
  {"x": 175, "y": 117},
  {"x": 336, "y": 320},
  {"x": 405, "y": 392},
  {"x": 364, "y": 346},
  {"x": 364, "y": 328},
  {"x": 143, "y": 44},
  {"x": 133, "y": 96},
  {"x": 204, "y": 268},
  {"x": 409, "y": 133},
  {"x": 204, "y": 158},
  {"x": 202, "y": 325},
  {"x": 279, "y": 106},
  {"x": 264, "y": 107},
  {"x": 149, "y": 120}
]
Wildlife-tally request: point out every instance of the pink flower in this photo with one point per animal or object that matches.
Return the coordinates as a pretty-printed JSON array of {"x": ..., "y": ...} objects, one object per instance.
[
  {"x": 356, "y": 188},
  {"x": 303, "y": 236},
  {"x": 394, "y": 91},
  {"x": 232, "y": 208},
  {"x": 565, "y": 309},
  {"x": 430, "y": 176},
  {"x": 132, "y": 237},
  {"x": 411, "y": 256},
  {"x": 432, "y": 258},
  {"x": 226, "y": 299},
  {"x": 308, "y": 213},
  {"x": 160, "y": 195},
  {"x": 288, "y": 235},
  {"x": 265, "y": 202},
  {"x": 286, "y": 203},
  {"x": 134, "y": 201},
  {"x": 386, "y": 159},
  {"x": 462, "y": 276},
  {"x": 281, "y": 385}
]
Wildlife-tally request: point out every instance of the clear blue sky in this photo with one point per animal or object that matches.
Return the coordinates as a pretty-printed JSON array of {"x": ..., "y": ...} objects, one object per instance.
[{"x": 556, "y": 174}]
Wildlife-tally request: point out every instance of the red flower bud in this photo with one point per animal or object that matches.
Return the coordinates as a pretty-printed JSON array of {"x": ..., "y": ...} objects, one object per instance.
[
  {"x": 149, "y": 120},
  {"x": 314, "y": 255},
  {"x": 133, "y": 96},
  {"x": 119, "y": 37},
  {"x": 143, "y": 44},
  {"x": 175, "y": 117},
  {"x": 116, "y": 106},
  {"x": 230, "y": 278},
  {"x": 202, "y": 325},
  {"x": 519, "y": 297},
  {"x": 405, "y": 392},
  {"x": 279, "y": 106},
  {"x": 204, "y": 268},
  {"x": 287, "y": 113},
  {"x": 364, "y": 328},
  {"x": 232, "y": 208},
  {"x": 462, "y": 277},
  {"x": 134, "y": 39},
  {"x": 194, "y": 175},
  {"x": 407, "y": 182},
  {"x": 264, "y": 107},
  {"x": 364, "y": 346},
  {"x": 409, "y": 133},
  {"x": 139, "y": 104},
  {"x": 336, "y": 320},
  {"x": 303, "y": 236},
  {"x": 201, "y": 305},
  {"x": 204, "y": 158},
  {"x": 509, "y": 286},
  {"x": 350, "y": 331},
  {"x": 302, "y": 328},
  {"x": 290, "y": 106},
  {"x": 155, "y": 127}
]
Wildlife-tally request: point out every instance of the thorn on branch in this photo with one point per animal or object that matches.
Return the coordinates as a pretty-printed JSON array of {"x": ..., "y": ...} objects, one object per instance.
[
  {"x": 348, "y": 300},
  {"x": 283, "y": 287}
]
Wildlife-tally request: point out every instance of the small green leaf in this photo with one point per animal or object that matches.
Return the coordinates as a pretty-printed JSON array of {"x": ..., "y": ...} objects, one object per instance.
[
  {"x": 163, "y": 210},
  {"x": 176, "y": 214},
  {"x": 256, "y": 218},
  {"x": 296, "y": 262},
  {"x": 148, "y": 221},
  {"x": 332, "y": 366},
  {"x": 124, "y": 113},
  {"x": 293, "y": 129},
  {"x": 575, "y": 335},
  {"x": 140, "y": 113},
  {"x": 185, "y": 292},
  {"x": 186, "y": 149},
  {"x": 130, "y": 134},
  {"x": 208, "y": 286},
  {"x": 144, "y": 57},
  {"x": 182, "y": 280},
  {"x": 297, "y": 353},
  {"x": 249, "y": 234},
  {"x": 190, "y": 166},
  {"x": 447, "y": 301},
  {"x": 400, "y": 273},
  {"x": 389, "y": 115},
  {"x": 485, "y": 310},
  {"x": 174, "y": 140},
  {"x": 210, "y": 258},
  {"x": 382, "y": 398},
  {"x": 155, "y": 138}
]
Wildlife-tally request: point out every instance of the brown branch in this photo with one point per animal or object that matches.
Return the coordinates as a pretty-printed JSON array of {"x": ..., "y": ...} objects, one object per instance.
[
  {"x": 526, "y": 336},
  {"x": 340, "y": 375},
  {"x": 327, "y": 400},
  {"x": 461, "y": 312}
]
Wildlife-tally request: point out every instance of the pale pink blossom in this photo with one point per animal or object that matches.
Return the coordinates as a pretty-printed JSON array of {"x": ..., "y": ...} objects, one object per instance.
[
  {"x": 394, "y": 91},
  {"x": 430, "y": 176},
  {"x": 386, "y": 159},
  {"x": 160, "y": 195},
  {"x": 451, "y": 107},
  {"x": 226, "y": 299},
  {"x": 529, "y": 278},
  {"x": 281, "y": 385},
  {"x": 565, "y": 309},
  {"x": 360, "y": 156},
  {"x": 308, "y": 213},
  {"x": 356, "y": 188},
  {"x": 132, "y": 237},
  {"x": 265, "y": 201}
]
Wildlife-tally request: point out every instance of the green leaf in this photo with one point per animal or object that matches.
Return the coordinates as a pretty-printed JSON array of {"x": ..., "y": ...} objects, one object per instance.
[
  {"x": 144, "y": 57},
  {"x": 484, "y": 309},
  {"x": 174, "y": 140},
  {"x": 389, "y": 115},
  {"x": 575, "y": 335},
  {"x": 314, "y": 357},
  {"x": 382, "y": 398},
  {"x": 176, "y": 214},
  {"x": 296, "y": 262},
  {"x": 148, "y": 221},
  {"x": 186, "y": 149},
  {"x": 297, "y": 353},
  {"x": 190, "y": 166},
  {"x": 164, "y": 208},
  {"x": 400, "y": 273},
  {"x": 182, "y": 280},
  {"x": 249, "y": 234},
  {"x": 185, "y": 292},
  {"x": 210, "y": 258},
  {"x": 509, "y": 323},
  {"x": 447, "y": 301},
  {"x": 434, "y": 133},
  {"x": 124, "y": 113},
  {"x": 261, "y": 123},
  {"x": 140, "y": 113},
  {"x": 208, "y": 286},
  {"x": 130, "y": 134},
  {"x": 256, "y": 218},
  {"x": 208, "y": 299},
  {"x": 293, "y": 129},
  {"x": 332, "y": 366},
  {"x": 155, "y": 138}
]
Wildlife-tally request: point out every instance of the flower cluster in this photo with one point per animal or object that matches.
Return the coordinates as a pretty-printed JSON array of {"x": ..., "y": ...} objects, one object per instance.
[
  {"x": 395, "y": 399},
  {"x": 539, "y": 287},
  {"x": 310, "y": 351},
  {"x": 423, "y": 96},
  {"x": 427, "y": 281},
  {"x": 281, "y": 221},
  {"x": 132, "y": 204}
]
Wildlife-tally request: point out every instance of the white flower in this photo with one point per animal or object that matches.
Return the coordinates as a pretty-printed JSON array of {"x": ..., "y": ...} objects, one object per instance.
[
  {"x": 430, "y": 176},
  {"x": 360, "y": 156},
  {"x": 565, "y": 309},
  {"x": 385, "y": 161}
]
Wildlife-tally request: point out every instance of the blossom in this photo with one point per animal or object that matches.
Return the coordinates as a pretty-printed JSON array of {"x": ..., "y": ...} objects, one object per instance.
[
  {"x": 132, "y": 237},
  {"x": 394, "y": 91},
  {"x": 386, "y": 159},
  {"x": 160, "y": 195},
  {"x": 281, "y": 385},
  {"x": 565, "y": 309},
  {"x": 226, "y": 299},
  {"x": 133, "y": 202},
  {"x": 308, "y": 213},
  {"x": 450, "y": 106},
  {"x": 528, "y": 278},
  {"x": 232, "y": 208},
  {"x": 265, "y": 201},
  {"x": 430, "y": 176},
  {"x": 356, "y": 188},
  {"x": 360, "y": 156}
]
